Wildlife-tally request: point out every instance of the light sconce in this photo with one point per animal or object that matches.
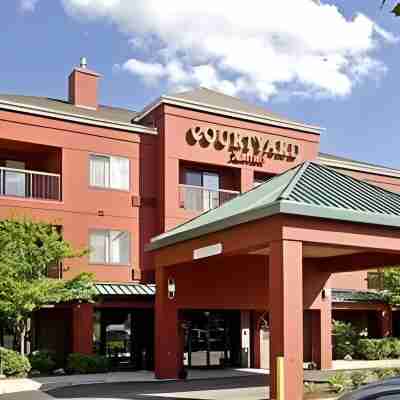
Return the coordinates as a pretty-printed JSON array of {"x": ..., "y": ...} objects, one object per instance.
[
  {"x": 171, "y": 288},
  {"x": 326, "y": 294}
]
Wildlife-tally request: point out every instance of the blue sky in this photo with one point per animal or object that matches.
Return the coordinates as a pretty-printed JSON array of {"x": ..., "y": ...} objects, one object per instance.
[{"x": 40, "y": 45}]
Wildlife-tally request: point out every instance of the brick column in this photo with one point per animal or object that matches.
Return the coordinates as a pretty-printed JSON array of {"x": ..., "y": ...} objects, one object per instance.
[
  {"x": 286, "y": 315},
  {"x": 82, "y": 328},
  {"x": 168, "y": 338}
]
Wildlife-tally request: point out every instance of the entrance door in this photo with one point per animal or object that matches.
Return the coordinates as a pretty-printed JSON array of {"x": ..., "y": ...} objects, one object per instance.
[
  {"x": 125, "y": 337},
  {"x": 211, "y": 194},
  {"x": 212, "y": 339}
]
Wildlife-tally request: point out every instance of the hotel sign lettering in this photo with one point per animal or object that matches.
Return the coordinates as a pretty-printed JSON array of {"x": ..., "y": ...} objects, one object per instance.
[{"x": 244, "y": 148}]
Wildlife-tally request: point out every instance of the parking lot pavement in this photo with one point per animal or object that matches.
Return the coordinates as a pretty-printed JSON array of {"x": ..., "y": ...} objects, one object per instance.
[{"x": 243, "y": 388}]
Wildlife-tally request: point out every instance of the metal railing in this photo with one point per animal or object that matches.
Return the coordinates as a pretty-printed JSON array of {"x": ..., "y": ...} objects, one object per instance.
[
  {"x": 199, "y": 199},
  {"x": 29, "y": 184}
]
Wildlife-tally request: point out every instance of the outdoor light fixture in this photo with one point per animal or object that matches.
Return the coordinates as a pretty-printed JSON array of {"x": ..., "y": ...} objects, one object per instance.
[
  {"x": 326, "y": 294},
  {"x": 171, "y": 288}
]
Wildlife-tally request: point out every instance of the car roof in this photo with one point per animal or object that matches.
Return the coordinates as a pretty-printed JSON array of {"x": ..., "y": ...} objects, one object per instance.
[{"x": 369, "y": 392}]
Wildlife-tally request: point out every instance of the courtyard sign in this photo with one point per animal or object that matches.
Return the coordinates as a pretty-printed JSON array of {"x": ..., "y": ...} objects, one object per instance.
[{"x": 244, "y": 148}]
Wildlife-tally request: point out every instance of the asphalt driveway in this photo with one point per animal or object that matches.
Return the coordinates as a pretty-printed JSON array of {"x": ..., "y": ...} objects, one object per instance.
[{"x": 244, "y": 388}]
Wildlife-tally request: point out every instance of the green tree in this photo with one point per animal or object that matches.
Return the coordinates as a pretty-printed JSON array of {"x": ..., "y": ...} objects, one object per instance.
[
  {"x": 391, "y": 285},
  {"x": 27, "y": 250},
  {"x": 395, "y": 10}
]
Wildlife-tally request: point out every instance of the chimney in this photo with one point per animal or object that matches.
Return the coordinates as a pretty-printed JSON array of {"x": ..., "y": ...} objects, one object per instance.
[{"x": 83, "y": 86}]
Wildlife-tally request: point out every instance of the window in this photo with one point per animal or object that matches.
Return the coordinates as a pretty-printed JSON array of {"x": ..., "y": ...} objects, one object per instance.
[
  {"x": 109, "y": 247},
  {"x": 207, "y": 195},
  {"x": 109, "y": 172},
  {"x": 375, "y": 280}
]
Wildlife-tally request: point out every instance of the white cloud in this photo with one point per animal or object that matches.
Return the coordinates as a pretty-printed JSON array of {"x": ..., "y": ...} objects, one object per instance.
[
  {"x": 257, "y": 47},
  {"x": 27, "y": 5}
]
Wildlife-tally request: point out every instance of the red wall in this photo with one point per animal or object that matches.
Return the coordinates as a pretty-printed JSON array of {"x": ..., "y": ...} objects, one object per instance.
[{"x": 80, "y": 205}]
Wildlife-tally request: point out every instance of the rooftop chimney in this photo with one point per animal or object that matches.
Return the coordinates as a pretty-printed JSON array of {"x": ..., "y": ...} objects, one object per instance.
[{"x": 83, "y": 86}]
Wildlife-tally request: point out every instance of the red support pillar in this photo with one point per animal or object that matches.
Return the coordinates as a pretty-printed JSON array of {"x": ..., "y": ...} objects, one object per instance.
[
  {"x": 385, "y": 317},
  {"x": 286, "y": 315},
  {"x": 168, "y": 337},
  {"x": 322, "y": 336},
  {"x": 82, "y": 328}
]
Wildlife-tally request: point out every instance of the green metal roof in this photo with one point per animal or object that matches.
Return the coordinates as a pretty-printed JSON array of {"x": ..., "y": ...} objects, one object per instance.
[
  {"x": 355, "y": 296},
  {"x": 309, "y": 189},
  {"x": 125, "y": 289}
]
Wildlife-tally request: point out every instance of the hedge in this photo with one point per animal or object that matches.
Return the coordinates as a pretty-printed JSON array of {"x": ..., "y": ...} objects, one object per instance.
[
  {"x": 42, "y": 361},
  {"x": 85, "y": 364},
  {"x": 378, "y": 349},
  {"x": 14, "y": 364}
]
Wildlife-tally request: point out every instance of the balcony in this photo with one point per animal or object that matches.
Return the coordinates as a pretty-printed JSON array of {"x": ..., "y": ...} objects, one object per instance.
[
  {"x": 200, "y": 199},
  {"x": 29, "y": 184}
]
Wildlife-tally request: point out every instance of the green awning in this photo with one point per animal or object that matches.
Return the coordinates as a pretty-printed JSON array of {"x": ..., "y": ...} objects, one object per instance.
[
  {"x": 309, "y": 189},
  {"x": 355, "y": 296},
  {"x": 125, "y": 289}
]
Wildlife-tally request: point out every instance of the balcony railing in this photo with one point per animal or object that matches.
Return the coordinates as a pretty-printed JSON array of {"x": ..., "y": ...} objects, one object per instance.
[
  {"x": 199, "y": 199},
  {"x": 29, "y": 184}
]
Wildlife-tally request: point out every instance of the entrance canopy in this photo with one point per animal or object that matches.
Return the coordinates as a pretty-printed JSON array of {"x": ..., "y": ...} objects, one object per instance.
[{"x": 274, "y": 248}]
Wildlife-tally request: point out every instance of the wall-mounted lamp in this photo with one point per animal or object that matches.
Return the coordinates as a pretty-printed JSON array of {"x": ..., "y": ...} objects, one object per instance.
[
  {"x": 171, "y": 288},
  {"x": 326, "y": 294}
]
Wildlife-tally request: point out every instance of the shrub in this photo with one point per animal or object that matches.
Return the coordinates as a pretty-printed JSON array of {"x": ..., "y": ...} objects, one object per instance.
[
  {"x": 84, "y": 364},
  {"x": 377, "y": 349},
  {"x": 368, "y": 349},
  {"x": 338, "y": 382},
  {"x": 358, "y": 378},
  {"x": 395, "y": 343},
  {"x": 384, "y": 373},
  {"x": 43, "y": 361},
  {"x": 345, "y": 338},
  {"x": 14, "y": 364}
]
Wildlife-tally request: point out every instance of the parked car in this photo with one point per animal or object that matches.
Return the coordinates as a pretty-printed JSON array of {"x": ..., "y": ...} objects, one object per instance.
[{"x": 388, "y": 389}]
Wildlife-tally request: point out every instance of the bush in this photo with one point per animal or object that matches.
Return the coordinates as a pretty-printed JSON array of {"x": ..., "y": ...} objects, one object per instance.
[
  {"x": 338, "y": 382},
  {"x": 14, "y": 364},
  {"x": 43, "y": 361},
  {"x": 358, "y": 378},
  {"x": 378, "y": 349},
  {"x": 368, "y": 349},
  {"x": 345, "y": 338},
  {"x": 384, "y": 373},
  {"x": 84, "y": 364},
  {"x": 395, "y": 343}
]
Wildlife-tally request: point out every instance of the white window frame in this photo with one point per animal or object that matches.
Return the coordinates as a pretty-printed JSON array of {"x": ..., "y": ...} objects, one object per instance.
[
  {"x": 108, "y": 257},
  {"x": 108, "y": 185}
]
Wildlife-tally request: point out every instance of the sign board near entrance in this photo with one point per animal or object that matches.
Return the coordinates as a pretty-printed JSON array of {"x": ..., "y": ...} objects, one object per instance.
[
  {"x": 207, "y": 251},
  {"x": 244, "y": 148}
]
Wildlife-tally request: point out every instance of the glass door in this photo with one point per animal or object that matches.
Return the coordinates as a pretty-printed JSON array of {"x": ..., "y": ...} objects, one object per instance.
[
  {"x": 212, "y": 339},
  {"x": 211, "y": 192}
]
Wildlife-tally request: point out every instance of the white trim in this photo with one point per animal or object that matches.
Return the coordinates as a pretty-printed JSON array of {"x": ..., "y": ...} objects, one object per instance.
[
  {"x": 227, "y": 112},
  {"x": 359, "y": 167},
  {"x": 28, "y": 171},
  {"x": 42, "y": 111}
]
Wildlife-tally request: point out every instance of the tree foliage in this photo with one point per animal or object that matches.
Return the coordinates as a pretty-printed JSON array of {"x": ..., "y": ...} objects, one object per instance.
[
  {"x": 395, "y": 10},
  {"x": 28, "y": 250},
  {"x": 391, "y": 285}
]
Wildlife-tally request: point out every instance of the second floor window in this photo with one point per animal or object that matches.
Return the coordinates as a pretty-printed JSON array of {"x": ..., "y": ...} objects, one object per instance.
[
  {"x": 109, "y": 172},
  {"x": 109, "y": 247},
  {"x": 202, "y": 190}
]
